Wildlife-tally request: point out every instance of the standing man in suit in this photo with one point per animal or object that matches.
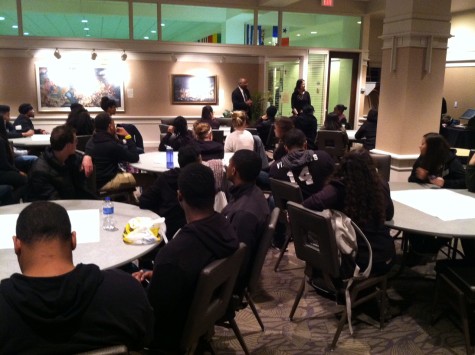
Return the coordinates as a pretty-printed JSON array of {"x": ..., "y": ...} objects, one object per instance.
[{"x": 242, "y": 98}]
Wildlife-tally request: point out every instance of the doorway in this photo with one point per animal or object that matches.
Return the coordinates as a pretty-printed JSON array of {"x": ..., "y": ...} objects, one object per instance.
[{"x": 282, "y": 74}]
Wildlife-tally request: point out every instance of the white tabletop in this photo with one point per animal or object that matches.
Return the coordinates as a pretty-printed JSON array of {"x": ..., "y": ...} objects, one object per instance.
[
  {"x": 351, "y": 134},
  {"x": 408, "y": 218},
  {"x": 156, "y": 161},
  {"x": 36, "y": 140},
  {"x": 109, "y": 252}
]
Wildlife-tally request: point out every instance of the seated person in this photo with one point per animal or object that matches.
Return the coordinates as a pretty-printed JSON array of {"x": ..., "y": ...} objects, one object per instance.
[
  {"x": 240, "y": 138},
  {"x": 307, "y": 123},
  {"x": 23, "y": 122},
  {"x": 208, "y": 148},
  {"x": 207, "y": 116},
  {"x": 247, "y": 209},
  {"x": 206, "y": 237},
  {"x": 470, "y": 178},
  {"x": 310, "y": 169},
  {"x": 161, "y": 196},
  {"x": 358, "y": 191},
  {"x": 368, "y": 130},
  {"x": 6, "y": 196},
  {"x": 264, "y": 123},
  {"x": 332, "y": 124},
  {"x": 11, "y": 131},
  {"x": 437, "y": 164},
  {"x": 59, "y": 172},
  {"x": 107, "y": 151},
  {"x": 54, "y": 307},
  {"x": 281, "y": 127},
  {"x": 338, "y": 110},
  {"x": 80, "y": 119},
  {"x": 177, "y": 135}
]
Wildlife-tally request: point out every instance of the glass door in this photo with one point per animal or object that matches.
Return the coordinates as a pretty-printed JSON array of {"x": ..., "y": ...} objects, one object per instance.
[{"x": 282, "y": 74}]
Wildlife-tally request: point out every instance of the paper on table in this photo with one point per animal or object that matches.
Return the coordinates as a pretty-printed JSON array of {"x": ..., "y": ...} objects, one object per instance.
[
  {"x": 86, "y": 223},
  {"x": 444, "y": 204},
  {"x": 40, "y": 137}
]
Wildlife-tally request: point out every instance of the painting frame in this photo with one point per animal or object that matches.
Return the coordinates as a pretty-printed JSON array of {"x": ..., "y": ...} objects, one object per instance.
[
  {"x": 59, "y": 86},
  {"x": 189, "y": 89}
]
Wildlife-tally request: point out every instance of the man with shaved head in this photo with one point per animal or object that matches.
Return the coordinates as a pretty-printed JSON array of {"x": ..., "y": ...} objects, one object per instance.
[{"x": 241, "y": 98}]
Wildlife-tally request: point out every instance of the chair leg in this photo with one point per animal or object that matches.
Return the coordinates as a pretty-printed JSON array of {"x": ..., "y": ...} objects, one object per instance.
[
  {"x": 341, "y": 324},
  {"x": 383, "y": 303},
  {"x": 297, "y": 298},
  {"x": 238, "y": 334},
  {"x": 254, "y": 309},
  {"x": 288, "y": 237},
  {"x": 466, "y": 330}
]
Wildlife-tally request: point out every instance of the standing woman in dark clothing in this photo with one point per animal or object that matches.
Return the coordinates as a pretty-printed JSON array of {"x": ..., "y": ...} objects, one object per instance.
[
  {"x": 359, "y": 192},
  {"x": 437, "y": 164},
  {"x": 368, "y": 130},
  {"x": 177, "y": 135},
  {"x": 300, "y": 98},
  {"x": 9, "y": 174},
  {"x": 207, "y": 116}
]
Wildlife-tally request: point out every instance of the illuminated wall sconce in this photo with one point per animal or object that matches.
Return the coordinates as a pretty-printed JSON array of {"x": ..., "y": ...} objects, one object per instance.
[
  {"x": 173, "y": 58},
  {"x": 123, "y": 56},
  {"x": 93, "y": 54},
  {"x": 57, "y": 54}
]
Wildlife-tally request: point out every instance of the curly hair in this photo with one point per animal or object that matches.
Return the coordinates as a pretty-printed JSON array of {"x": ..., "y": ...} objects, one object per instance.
[{"x": 364, "y": 199}]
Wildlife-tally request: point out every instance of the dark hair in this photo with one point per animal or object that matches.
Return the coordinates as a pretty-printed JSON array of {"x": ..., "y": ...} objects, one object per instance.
[
  {"x": 341, "y": 107},
  {"x": 308, "y": 110},
  {"x": 436, "y": 154},
  {"x": 247, "y": 163},
  {"x": 187, "y": 154},
  {"x": 102, "y": 121},
  {"x": 25, "y": 108},
  {"x": 206, "y": 112},
  {"x": 60, "y": 136},
  {"x": 294, "y": 138},
  {"x": 372, "y": 115},
  {"x": 107, "y": 103},
  {"x": 271, "y": 112},
  {"x": 81, "y": 121},
  {"x": 3, "y": 130},
  {"x": 180, "y": 125},
  {"x": 196, "y": 184},
  {"x": 4, "y": 109},
  {"x": 285, "y": 124},
  {"x": 76, "y": 106},
  {"x": 332, "y": 122},
  {"x": 43, "y": 220},
  {"x": 364, "y": 199},
  {"x": 297, "y": 84}
]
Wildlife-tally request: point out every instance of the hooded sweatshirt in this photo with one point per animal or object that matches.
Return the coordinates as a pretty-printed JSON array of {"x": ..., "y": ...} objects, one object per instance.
[
  {"x": 75, "y": 312},
  {"x": 308, "y": 168},
  {"x": 176, "y": 271}
]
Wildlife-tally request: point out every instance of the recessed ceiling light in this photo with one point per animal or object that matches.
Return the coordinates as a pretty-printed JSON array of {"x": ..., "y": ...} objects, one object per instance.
[
  {"x": 86, "y": 28},
  {"x": 15, "y": 26},
  {"x": 26, "y": 33},
  {"x": 163, "y": 25},
  {"x": 298, "y": 34},
  {"x": 146, "y": 37},
  {"x": 84, "y": 20},
  {"x": 313, "y": 32},
  {"x": 153, "y": 31},
  {"x": 2, "y": 18}
]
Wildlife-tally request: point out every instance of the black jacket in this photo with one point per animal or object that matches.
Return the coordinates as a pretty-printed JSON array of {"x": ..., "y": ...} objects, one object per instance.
[
  {"x": 309, "y": 169},
  {"x": 48, "y": 180},
  {"x": 209, "y": 149},
  {"x": 162, "y": 199},
  {"x": 238, "y": 101},
  {"x": 11, "y": 131},
  {"x": 79, "y": 311},
  {"x": 26, "y": 124},
  {"x": 308, "y": 125},
  {"x": 176, "y": 270},
  {"x": 452, "y": 172},
  {"x": 175, "y": 141},
  {"x": 368, "y": 131},
  {"x": 107, "y": 153},
  {"x": 6, "y": 157}
]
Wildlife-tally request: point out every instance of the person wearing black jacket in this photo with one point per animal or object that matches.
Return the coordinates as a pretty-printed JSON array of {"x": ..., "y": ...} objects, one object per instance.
[
  {"x": 241, "y": 98},
  {"x": 307, "y": 123},
  {"x": 177, "y": 135},
  {"x": 59, "y": 173},
  {"x": 206, "y": 237},
  {"x": 204, "y": 142},
  {"x": 368, "y": 130},
  {"x": 107, "y": 151},
  {"x": 23, "y": 122},
  {"x": 55, "y": 307}
]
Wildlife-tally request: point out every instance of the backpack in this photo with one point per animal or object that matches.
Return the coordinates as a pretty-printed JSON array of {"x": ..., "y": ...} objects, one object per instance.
[{"x": 346, "y": 233}]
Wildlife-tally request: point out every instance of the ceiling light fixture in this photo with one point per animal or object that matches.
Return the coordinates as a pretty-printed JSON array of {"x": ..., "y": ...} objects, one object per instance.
[
  {"x": 93, "y": 54},
  {"x": 123, "y": 56},
  {"x": 84, "y": 20},
  {"x": 57, "y": 54}
]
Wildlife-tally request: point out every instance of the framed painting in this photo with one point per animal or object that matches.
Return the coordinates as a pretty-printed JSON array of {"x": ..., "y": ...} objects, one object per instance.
[
  {"x": 59, "y": 86},
  {"x": 194, "y": 90}
]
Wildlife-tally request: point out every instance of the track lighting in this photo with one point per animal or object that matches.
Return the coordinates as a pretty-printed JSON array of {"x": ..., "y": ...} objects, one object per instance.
[
  {"x": 93, "y": 54},
  {"x": 57, "y": 54},
  {"x": 123, "y": 56}
]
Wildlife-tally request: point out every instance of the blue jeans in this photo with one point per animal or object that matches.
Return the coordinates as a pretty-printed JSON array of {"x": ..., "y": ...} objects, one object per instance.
[{"x": 24, "y": 162}]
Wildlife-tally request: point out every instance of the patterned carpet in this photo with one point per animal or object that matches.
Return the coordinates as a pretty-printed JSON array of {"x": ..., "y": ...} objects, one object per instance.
[{"x": 315, "y": 323}]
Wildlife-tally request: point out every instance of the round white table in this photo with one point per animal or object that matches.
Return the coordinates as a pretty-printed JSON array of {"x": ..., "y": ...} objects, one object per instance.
[
  {"x": 34, "y": 141},
  {"x": 109, "y": 252},
  {"x": 155, "y": 162},
  {"x": 410, "y": 219}
]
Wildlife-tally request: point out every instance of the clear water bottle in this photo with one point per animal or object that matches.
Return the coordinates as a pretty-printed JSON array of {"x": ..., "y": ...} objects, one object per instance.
[
  {"x": 108, "y": 222},
  {"x": 170, "y": 164}
]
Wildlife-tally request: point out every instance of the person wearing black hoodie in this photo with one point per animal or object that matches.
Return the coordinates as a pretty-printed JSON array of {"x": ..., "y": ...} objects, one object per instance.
[
  {"x": 23, "y": 122},
  {"x": 206, "y": 237},
  {"x": 54, "y": 307},
  {"x": 310, "y": 169},
  {"x": 368, "y": 130}
]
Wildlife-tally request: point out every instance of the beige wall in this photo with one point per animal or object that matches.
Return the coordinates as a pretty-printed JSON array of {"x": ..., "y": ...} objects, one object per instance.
[{"x": 459, "y": 86}]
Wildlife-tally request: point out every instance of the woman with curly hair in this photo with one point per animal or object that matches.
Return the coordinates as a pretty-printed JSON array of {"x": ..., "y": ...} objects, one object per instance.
[{"x": 357, "y": 190}]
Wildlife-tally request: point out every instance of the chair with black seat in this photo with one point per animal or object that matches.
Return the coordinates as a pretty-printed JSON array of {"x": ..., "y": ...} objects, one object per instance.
[
  {"x": 167, "y": 121},
  {"x": 110, "y": 350},
  {"x": 225, "y": 121},
  {"x": 283, "y": 192},
  {"x": 252, "y": 130},
  {"x": 211, "y": 298},
  {"x": 455, "y": 285},
  {"x": 163, "y": 127},
  {"x": 334, "y": 143},
  {"x": 315, "y": 243},
  {"x": 382, "y": 162},
  {"x": 218, "y": 135},
  {"x": 271, "y": 139},
  {"x": 82, "y": 141}
]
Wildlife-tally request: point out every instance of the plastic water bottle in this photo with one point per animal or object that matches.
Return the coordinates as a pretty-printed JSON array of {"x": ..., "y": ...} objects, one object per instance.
[
  {"x": 170, "y": 164},
  {"x": 108, "y": 222}
]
